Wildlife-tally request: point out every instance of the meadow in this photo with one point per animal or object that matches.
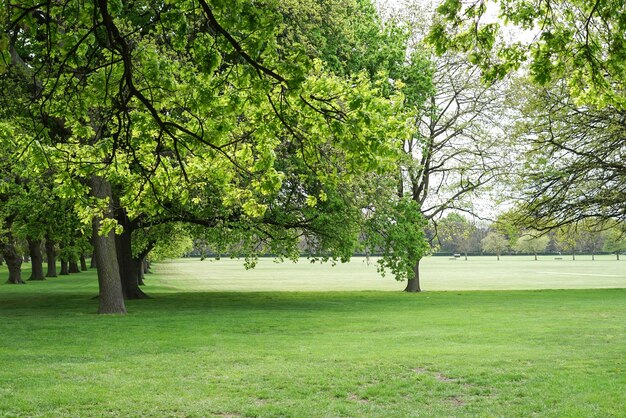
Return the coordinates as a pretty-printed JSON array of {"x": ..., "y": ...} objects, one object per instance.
[{"x": 313, "y": 340}]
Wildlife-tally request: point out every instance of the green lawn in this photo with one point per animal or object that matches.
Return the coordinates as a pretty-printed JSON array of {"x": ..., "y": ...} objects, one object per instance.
[
  {"x": 228, "y": 353},
  {"x": 438, "y": 273}
]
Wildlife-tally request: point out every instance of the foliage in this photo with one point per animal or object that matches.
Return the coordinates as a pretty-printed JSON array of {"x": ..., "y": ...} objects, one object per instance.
[
  {"x": 454, "y": 233},
  {"x": 397, "y": 231},
  {"x": 532, "y": 243},
  {"x": 577, "y": 40},
  {"x": 495, "y": 243},
  {"x": 615, "y": 240},
  {"x": 231, "y": 116},
  {"x": 572, "y": 110},
  {"x": 574, "y": 168}
]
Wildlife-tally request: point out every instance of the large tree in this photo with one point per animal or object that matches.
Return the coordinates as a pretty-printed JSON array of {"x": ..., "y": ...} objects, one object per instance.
[
  {"x": 574, "y": 167},
  {"x": 456, "y": 150},
  {"x": 574, "y": 50},
  {"x": 198, "y": 112}
]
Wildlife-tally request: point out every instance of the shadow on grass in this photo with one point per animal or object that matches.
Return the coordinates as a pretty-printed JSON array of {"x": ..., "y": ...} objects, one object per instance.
[{"x": 64, "y": 303}]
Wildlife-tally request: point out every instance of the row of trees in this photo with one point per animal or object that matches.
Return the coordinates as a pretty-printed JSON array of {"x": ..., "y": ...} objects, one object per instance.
[
  {"x": 248, "y": 127},
  {"x": 456, "y": 234},
  {"x": 255, "y": 129}
]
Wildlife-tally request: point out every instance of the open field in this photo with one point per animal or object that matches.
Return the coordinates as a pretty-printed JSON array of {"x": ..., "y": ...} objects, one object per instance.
[
  {"x": 193, "y": 352},
  {"x": 438, "y": 273}
]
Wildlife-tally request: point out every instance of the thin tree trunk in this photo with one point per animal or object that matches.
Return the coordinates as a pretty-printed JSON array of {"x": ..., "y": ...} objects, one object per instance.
[
  {"x": 83, "y": 262},
  {"x": 413, "y": 285},
  {"x": 13, "y": 260},
  {"x": 573, "y": 257},
  {"x": 535, "y": 256},
  {"x": 498, "y": 257},
  {"x": 617, "y": 254},
  {"x": 36, "y": 259},
  {"x": 51, "y": 259},
  {"x": 111, "y": 297}
]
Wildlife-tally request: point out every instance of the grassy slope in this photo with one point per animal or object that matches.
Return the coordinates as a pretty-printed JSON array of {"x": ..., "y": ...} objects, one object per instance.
[{"x": 512, "y": 353}]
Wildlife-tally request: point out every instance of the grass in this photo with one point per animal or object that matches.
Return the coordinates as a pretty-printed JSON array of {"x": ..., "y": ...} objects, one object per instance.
[
  {"x": 213, "y": 351},
  {"x": 437, "y": 273}
]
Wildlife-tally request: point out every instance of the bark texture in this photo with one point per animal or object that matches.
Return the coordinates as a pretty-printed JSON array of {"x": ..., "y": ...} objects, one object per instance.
[
  {"x": 51, "y": 259},
  {"x": 83, "y": 263},
  {"x": 65, "y": 270},
  {"x": 129, "y": 268},
  {"x": 110, "y": 296},
  {"x": 36, "y": 259},
  {"x": 73, "y": 266},
  {"x": 13, "y": 260},
  {"x": 413, "y": 285}
]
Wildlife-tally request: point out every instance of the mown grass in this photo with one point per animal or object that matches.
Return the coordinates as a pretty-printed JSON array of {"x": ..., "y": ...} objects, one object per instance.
[
  {"x": 350, "y": 353},
  {"x": 437, "y": 273}
]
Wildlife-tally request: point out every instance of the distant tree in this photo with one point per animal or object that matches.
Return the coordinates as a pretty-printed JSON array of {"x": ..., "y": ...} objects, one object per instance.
[
  {"x": 567, "y": 239},
  {"x": 615, "y": 241},
  {"x": 531, "y": 243},
  {"x": 397, "y": 230},
  {"x": 495, "y": 243},
  {"x": 455, "y": 234},
  {"x": 507, "y": 224}
]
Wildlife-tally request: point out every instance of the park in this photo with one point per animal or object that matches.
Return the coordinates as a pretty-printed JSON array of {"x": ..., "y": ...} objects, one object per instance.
[
  {"x": 280, "y": 208},
  {"x": 215, "y": 340}
]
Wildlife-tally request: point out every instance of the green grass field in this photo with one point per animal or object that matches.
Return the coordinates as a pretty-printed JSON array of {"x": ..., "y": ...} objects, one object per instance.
[
  {"x": 203, "y": 347},
  {"x": 438, "y": 273}
]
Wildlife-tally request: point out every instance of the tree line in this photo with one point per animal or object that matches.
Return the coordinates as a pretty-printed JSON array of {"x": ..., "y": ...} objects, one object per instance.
[{"x": 130, "y": 129}]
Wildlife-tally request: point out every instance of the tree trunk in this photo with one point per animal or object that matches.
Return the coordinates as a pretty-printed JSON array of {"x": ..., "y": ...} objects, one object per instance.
[
  {"x": 64, "y": 268},
  {"x": 36, "y": 259},
  {"x": 535, "y": 256},
  {"x": 83, "y": 262},
  {"x": 593, "y": 257},
  {"x": 498, "y": 257},
  {"x": 110, "y": 296},
  {"x": 146, "y": 266},
  {"x": 573, "y": 257},
  {"x": 617, "y": 254},
  {"x": 92, "y": 262},
  {"x": 465, "y": 256},
  {"x": 13, "y": 260},
  {"x": 51, "y": 259},
  {"x": 129, "y": 269},
  {"x": 73, "y": 267},
  {"x": 1, "y": 259},
  {"x": 139, "y": 268},
  {"x": 413, "y": 285}
]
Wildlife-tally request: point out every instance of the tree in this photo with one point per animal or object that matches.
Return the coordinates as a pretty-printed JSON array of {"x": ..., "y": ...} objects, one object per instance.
[
  {"x": 531, "y": 243},
  {"x": 567, "y": 239},
  {"x": 397, "y": 230},
  {"x": 495, "y": 243},
  {"x": 573, "y": 170},
  {"x": 574, "y": 118},
  {"x": 454, "y": 233},
  {"x": 197, "y": 113},
  {"x": 615, "y": 241},
  {"x": 455, "y": 151}
]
